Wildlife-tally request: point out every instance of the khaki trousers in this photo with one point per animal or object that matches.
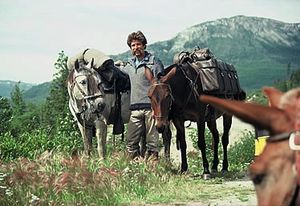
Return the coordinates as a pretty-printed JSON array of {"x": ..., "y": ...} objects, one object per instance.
[{"x": 141, "y": 125}]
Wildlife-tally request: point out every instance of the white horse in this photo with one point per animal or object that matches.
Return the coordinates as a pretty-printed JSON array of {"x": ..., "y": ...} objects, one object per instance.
[{"x": 91, "y": 106}]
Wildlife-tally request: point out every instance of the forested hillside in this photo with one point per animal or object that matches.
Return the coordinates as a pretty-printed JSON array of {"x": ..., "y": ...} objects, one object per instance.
[{"x": 262, "y": 50}]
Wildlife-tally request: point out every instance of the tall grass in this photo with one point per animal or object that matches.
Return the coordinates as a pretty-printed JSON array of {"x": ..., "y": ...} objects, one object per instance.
[
  {"x": 240, "y": 154},
  {"x": 46, "y": 173}
]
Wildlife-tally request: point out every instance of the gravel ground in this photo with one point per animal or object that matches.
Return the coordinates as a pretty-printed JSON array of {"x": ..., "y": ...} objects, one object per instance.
[{"x": 237, "y": 129}]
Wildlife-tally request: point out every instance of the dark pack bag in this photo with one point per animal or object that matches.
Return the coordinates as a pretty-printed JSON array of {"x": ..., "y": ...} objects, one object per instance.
[{"x": 217, "y": 77}]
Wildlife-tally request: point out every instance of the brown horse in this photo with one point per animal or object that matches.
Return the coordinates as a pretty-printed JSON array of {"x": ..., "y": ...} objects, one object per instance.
[
  {"x": 176, "y": 98},
  {"x": 275, "y": 173}
]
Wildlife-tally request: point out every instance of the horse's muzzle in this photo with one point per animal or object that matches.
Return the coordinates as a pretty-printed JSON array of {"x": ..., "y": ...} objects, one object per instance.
[
  {"x": 100, "y": 107},
  {"x": 160, "y": 129}
]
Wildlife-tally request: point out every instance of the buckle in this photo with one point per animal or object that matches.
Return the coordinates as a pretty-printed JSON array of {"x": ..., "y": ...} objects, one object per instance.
[{"x": 294, "y": 140}]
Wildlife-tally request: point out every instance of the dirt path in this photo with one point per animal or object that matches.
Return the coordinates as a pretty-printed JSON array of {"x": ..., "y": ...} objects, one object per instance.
[{"x": 235, "y": 197}]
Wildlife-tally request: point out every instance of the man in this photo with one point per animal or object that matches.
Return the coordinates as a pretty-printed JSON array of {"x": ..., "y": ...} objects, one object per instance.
[{"x": 141, "y": 123}]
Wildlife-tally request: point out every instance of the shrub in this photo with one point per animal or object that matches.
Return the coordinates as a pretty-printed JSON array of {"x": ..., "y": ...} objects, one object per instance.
[{"x": 240, "y": 154}]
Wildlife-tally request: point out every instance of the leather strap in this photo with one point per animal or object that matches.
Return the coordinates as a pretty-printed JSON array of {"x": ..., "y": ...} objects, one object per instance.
[{"x": 297, "y": 140}]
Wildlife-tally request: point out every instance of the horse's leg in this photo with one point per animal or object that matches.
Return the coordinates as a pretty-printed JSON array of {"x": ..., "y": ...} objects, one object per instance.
[
  {"x": 202, "y": 146},
  {"x": 227, "y": 122},
  {"x": 212, "y": 126},
  {"x": 101, "y": 133},
  {"x": 180, "y": 136},
  {"x": 87, "y": 135},
  {"x": 167, "y": 135}
]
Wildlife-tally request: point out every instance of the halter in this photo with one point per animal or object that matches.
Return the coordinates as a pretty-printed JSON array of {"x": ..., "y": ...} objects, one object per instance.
[
  {"x": 171, "y": 95},
  {"x": 296, "y": 166},
  {"x": 284, "y": 136},
  {"x": 85, "y": 96}
]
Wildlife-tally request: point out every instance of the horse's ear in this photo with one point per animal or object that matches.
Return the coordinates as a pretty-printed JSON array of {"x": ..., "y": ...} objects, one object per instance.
[
  {"x": 76, "y": 64},
  {"x": 149, "y": 75},
  {"x": 261, "y": 116},
  {"x": 92, "y": 63},
  {"x": 273, "y": 95}
]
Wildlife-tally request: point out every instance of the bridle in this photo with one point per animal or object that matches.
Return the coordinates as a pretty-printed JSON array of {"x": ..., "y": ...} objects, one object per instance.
[
  {"x": 160, "y": 84},
  {"x": 296, "y": 148},
  {"x": 86, "y": 97}
]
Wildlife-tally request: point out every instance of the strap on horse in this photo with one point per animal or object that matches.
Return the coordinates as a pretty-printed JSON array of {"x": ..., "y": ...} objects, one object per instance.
[
  {"x": 192, "y": 84},
  {"x": 297, "y": 141},
  {"x": 294, "y": 141}
]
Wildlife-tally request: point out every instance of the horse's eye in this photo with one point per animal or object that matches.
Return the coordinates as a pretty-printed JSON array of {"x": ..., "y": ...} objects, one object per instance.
[
  {"x": 83, "y": 82},
  {"x": 257, "y": 179}
]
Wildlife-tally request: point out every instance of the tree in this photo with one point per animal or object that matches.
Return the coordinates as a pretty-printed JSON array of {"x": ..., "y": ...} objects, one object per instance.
[
  {"x": 56, "y": 106},
  {"x": 295, "y": 78},
  {"x": 18, "y": 103},
  {"x": 5, "y": 115}
]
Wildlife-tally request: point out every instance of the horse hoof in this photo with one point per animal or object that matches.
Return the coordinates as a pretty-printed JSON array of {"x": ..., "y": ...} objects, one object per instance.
[
  {"x": 206, "y": 176},
  {"x": 224, "y": 172},
  {"x": 214, "y": 171}
]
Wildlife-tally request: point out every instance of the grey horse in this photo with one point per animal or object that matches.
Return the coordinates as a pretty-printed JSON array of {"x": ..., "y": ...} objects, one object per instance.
[{"x": 91, "y": 106}]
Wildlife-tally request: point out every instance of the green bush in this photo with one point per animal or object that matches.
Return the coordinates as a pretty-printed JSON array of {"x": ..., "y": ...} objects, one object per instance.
[
  {"x": 240, "y": 154},
  {"x": 33, "y": 143}
]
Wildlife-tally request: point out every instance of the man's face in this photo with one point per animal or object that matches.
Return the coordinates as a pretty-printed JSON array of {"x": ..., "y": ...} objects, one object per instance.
[{"x": 137, "y": 49}]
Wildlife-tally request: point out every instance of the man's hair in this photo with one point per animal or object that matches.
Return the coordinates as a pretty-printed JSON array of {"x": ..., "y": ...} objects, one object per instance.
[{"x": 136, "y": 36}]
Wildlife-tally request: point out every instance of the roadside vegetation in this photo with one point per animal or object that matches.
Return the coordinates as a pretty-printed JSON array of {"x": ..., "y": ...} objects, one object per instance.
[
  {"x": 42, "y": 161},
  {"x": 57, "y": 174}
]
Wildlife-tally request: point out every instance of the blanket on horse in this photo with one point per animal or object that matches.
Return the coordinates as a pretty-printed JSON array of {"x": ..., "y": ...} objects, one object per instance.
[{"x": 114, "y": 80}]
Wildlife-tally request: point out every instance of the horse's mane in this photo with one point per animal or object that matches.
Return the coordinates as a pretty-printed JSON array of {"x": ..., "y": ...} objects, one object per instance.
[
  {"x": 70, "y": 78},
  {"x": 167, "y": 73},
  {"x": 169, "y": 68}
]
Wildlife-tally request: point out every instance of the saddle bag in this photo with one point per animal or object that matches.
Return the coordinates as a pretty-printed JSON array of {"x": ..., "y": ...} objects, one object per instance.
[{"x": 218, "y": 77}]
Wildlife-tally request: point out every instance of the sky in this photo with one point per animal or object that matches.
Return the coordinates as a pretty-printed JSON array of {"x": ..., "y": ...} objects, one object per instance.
[{"x": 33, "y": 32}]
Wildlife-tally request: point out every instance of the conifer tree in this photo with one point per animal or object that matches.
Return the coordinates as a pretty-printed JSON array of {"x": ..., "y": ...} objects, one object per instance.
[
  {"x": 5, "y": 115},
  {"x": 56, "y": 106},
  {"x": 18, "y": 103}
]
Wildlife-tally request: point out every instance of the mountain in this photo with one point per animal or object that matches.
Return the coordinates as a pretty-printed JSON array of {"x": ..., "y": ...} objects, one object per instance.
[
  {"x": 6, "y": 86},
  {"x": 35, "y": 93},
  {"x": 38, "y": 93},
  {"x": 261, "y": 49}
]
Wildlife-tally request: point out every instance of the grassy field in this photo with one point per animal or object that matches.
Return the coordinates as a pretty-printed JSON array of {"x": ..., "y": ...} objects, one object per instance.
[{"x": 59, "y": 178}]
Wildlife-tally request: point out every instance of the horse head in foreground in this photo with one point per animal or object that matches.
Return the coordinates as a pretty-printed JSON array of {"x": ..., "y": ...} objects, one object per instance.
[
  {"x": 86, "y": 103},
  {"x": 275, "y": 173}
]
